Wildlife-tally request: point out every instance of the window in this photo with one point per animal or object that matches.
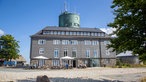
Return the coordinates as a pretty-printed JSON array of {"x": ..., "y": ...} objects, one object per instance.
[
  {"x": 45, "y": 32},
  {"x": 95, "y": 42},
  {"x": 78, "y": 33},
  {"x": 74, "y": 52},
  {"x": 87, "y": 53},
  {"x": 56, "y": 41},
  {"x": 55, "y": 63},
  {"x": 88, "y": 33},
  {"x": 71, "y": 33},
  {"x": 56, "y": 53},
  {"x": 41, "y": 51},
  {"x": 65, "y": 42},
  {"x": 102, "y": 34},
  {"x": 65, "y": 52},
  {"x": 55, "y": 32},
  {"x": 58, "y": 33},
  {"x": 62, "y": 33},
  {"x": 51, "y": 32},
  {"x": 41, "y": 41},
  {"x": 98, "y": 34},
  {"x": 74, "y": 42},
  {"x": 85, "y": 33},
  {"x": 95, "y": 53},
  {"x": 107, "y": 52},
  {"x": 74, "y": 33},
  {"x": 82, "y": 33},
  {"x": 92, "y": 34},
  {"x": 67, "y": 33},
  {"x": 106, "y": 42},
  {"x": 87, "y": 42}
]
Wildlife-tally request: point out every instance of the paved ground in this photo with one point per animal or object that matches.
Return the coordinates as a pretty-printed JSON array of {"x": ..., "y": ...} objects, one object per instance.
[{"x": 96, "y": 74}]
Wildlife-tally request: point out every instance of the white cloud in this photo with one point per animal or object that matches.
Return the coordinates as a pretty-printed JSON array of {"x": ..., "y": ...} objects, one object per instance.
[
  {"x": 1, "y": 32},
  {"x": 108, "y": 30}
]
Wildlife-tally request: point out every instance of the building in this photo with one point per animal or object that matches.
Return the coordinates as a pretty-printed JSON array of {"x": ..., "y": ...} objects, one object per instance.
[
  {"x": 18, "y": 62},
  {"x": 84, "y": 45},
  {"x": 128, "y": 57}
]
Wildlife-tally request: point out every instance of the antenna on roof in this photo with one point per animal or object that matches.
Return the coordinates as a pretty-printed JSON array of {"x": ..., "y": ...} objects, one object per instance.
[
  {"x": 65, "y": 6},
  {"x": 74, "y": 10}
]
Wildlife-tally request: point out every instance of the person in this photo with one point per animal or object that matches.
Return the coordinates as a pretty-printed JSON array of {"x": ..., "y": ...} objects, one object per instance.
[{"x": 66, "y": 66}]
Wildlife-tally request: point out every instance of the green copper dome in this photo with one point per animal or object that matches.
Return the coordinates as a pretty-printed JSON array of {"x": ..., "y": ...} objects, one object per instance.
[{"x": 67, "y": 19}]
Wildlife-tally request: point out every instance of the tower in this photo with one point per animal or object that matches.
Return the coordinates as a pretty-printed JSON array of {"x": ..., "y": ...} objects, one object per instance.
[{"x": 68, "y": 19}]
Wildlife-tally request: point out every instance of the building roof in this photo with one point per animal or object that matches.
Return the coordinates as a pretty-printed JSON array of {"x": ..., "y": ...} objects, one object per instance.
[
  {"x": 20, "y": 59},
  {"x": 55, "y": 28},
  {"x": 72, "y": 29},
  {"x": 127, "y": 53}
]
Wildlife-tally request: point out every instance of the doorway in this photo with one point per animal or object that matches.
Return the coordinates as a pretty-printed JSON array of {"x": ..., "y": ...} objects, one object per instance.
[{"x": 74, "y": 63}]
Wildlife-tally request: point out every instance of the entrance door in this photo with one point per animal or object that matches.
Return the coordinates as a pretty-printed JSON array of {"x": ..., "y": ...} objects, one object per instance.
[
  {"x": 74, "y": 63},
  {"x": 41, "y": 62}
]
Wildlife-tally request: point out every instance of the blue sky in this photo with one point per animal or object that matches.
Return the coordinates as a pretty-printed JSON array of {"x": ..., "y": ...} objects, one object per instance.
[{"x": 22, "y": 18}]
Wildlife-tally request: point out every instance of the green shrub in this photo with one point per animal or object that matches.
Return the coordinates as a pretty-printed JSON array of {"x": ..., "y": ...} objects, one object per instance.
[{"x": 120, "y": 64}]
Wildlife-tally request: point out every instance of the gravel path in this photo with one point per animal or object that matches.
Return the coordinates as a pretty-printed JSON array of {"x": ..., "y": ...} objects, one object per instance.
[{"x": 97, "y": 74}]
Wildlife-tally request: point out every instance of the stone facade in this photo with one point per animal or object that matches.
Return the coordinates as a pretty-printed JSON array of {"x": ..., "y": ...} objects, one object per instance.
[{"x": 89, "y": 48}]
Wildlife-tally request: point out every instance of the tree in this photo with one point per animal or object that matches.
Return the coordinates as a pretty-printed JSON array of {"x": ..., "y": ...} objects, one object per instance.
[
  {"x": 130, "y": 24},
  {"x": 10, "y": 47}
]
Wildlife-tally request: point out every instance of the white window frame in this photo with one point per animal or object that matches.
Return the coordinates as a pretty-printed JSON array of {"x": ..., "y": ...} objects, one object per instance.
[
  {"x": 74, "y": 42},
  {"x": 74, "y": 50},
  {"x": 56, "y": 53},
  {"x": 87, "y": 42},
  {"x": 51, "y": 32},
  {"x": 56, "y": 42},
  {"x": 88, "y": 33},
  {"x": 55, "y": 63},
  {"x": 45, "y": 32},
  {"x": 106, "y": 42},
  {"x": 87, "y": 53},
  {"x": 41, "y": 50},
  {"x": 95, "y": 53},
  {"x": 94, "y": 42},
  {"x": 67, "y": 33},
  {"x": 55, "y": 32},
  {"x": 41, "y": 41},
  {"x": 107, "y": 52},
  {"x": 58, "y": 33},
  {"x": 96, "y": 34},
  {"x": 65, "y": 42},
  {"x": 92, "y": 34},
  {"x": 102, "y": 34},
  {"x": 82, "y": 33},
  {"x": 70, "y": 33},
  {"x": 99, "y": 34},
  {"x": 63, "y": 33},
  {"x": 78, "y": 33},
  {"x": 65, "y": 52}
]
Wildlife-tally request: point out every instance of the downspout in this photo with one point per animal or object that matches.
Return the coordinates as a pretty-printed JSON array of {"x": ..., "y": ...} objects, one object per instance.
[{"x": 100, "y": 51}]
